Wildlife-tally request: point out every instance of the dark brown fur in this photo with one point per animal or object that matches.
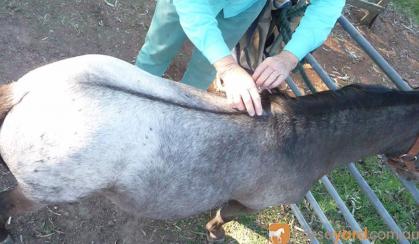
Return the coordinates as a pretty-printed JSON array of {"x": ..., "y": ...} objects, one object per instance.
[
  {"x": 6, "y": 104},
  {"x": 6, "y": 101},
  {"x": 10, "y": 196}
]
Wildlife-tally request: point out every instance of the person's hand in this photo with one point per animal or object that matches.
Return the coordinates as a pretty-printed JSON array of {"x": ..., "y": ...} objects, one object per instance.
[
  {"x": 274, "y": 70},
  {"x": 240, "y": 88}
]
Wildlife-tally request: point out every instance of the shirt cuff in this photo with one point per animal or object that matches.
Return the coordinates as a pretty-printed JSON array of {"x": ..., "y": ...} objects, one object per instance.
[
  {"x": 216, "y": 51},
  {"x": 298, "y": 48}
]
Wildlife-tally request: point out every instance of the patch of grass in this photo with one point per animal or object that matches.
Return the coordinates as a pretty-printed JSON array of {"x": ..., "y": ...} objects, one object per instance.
[
  {"x": 398, "y": 201},
  {"x": 248, "y": 229},
  {"x": 254, "y": 228},
  {"x": 409, "y": 7}
]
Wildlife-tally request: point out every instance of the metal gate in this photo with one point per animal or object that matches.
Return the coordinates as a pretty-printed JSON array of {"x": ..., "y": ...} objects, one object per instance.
[{"x": 366, "y": 189}]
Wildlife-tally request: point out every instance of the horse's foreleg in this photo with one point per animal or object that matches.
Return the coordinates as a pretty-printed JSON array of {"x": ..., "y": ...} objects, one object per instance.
[
  {"x": 232, "y": 209},
  {"x": 12, "y": 202}
]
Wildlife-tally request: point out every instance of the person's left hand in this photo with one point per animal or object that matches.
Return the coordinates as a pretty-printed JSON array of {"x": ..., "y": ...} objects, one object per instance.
[{"x": 274, "y": 70}]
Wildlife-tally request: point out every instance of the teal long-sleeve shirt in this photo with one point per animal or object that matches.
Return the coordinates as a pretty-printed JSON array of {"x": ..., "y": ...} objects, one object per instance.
[{"x": 198, "y": 20}]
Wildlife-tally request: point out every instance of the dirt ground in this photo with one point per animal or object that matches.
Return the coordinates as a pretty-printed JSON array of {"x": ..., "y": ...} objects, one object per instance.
[{"x": 36, "y": 32}]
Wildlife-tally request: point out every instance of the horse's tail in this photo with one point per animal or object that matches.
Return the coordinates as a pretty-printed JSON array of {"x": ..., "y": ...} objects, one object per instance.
[
  {"x": 6, "y": 101},
  {"x": 6, "y": 104}
]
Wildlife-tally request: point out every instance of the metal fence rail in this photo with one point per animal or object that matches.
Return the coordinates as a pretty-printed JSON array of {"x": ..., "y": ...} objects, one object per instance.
[{"x": 366, "y": 189}]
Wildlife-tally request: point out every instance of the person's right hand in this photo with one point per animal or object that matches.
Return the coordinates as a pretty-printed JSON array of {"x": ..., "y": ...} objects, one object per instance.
[
  {"x": 274, "y": 70},
  {"x": 240, "y": 88}
]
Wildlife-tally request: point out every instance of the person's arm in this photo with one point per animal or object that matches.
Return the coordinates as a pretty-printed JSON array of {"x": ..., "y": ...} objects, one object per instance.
[
  {"x": 314, "y": 28},
  {"x": 200, "y": 25}
]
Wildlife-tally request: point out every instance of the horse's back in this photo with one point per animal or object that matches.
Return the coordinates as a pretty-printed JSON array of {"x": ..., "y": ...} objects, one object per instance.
[
  {"x": 82, "y": 129},
  {"x": 101, "y": 70}
]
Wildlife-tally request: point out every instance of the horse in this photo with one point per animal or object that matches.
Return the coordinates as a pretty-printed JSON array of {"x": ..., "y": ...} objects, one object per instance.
[{"x": 95, "y": 124}]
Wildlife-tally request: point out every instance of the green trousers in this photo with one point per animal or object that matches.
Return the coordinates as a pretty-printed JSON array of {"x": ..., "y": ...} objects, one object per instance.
[{"x": 165, "y": 38}]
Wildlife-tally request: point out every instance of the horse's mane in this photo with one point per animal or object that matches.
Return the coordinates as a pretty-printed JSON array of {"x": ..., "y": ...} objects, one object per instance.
[{"x": 355, "y": 96}]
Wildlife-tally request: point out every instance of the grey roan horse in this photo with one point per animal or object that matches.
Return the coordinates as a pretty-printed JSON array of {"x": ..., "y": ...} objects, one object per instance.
[{"x": 160, "y": 149}]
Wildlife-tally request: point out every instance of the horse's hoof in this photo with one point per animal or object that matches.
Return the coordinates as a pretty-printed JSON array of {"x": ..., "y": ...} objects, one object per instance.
[
  {"x": 8, "y": 240},
  {"x": 215, "y": 238}
]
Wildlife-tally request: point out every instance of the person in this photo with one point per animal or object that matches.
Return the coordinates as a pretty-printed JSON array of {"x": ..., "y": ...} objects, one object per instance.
[{"x": 215, "y": 27}]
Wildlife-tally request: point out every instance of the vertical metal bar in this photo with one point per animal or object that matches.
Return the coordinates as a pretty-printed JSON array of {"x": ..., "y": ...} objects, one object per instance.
[
  {"x": 321, "y": 72},
  {"x": 293, "y": 86},
  {"x": 341, "y": 205},
  {"x": 373, "y": 53},
  {"x": 377, "y": 204},
  {"x": 300, "y": 217},
  {"x": 410, "y": 186},
  {"x": 319, "y": 212}
]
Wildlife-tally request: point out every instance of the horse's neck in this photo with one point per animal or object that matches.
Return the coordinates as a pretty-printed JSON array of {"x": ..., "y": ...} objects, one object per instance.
[{"x": 351, "y": 134}]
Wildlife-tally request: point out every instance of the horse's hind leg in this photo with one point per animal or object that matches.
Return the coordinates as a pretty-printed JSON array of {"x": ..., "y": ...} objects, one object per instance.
[
  {"x": 12, "y": 202},
  {"x": 232, "y": 209}
]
